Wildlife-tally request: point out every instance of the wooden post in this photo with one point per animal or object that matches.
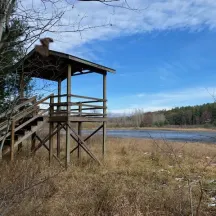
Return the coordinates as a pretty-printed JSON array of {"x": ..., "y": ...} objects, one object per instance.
[
  {"x": 79, "y": 132},
  {"x": 51, "y": 128},
  {"x": 104, "y": 113},
  {"x": 58, "y": 133},
  {"x": 33, "y": 141},
  {"x": 33, "y": 136},
  {"x": 12, "y": 140},
  {"x": 68, "y": 138}
]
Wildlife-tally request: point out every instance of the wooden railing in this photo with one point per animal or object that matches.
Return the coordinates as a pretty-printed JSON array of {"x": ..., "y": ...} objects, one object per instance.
[
  {"x": 90, "y": 107},
  {"x": 32, "y": 111}
]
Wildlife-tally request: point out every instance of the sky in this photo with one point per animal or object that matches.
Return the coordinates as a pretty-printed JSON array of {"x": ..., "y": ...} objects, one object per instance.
[{"x": 163, "y": 51}]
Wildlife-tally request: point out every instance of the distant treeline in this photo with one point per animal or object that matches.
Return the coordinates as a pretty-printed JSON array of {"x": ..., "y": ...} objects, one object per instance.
[{"x": 180, "y": 116}]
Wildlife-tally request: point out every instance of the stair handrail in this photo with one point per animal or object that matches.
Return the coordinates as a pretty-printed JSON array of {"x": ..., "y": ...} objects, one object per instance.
[
  {"x": 24, "y": 113},
  {"x": 30, "y": 109},
  {"x": 17, "y": 107}
]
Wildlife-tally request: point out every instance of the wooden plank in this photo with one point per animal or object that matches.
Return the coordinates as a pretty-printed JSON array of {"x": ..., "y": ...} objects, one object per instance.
[
  {"x": 51, "y": 129},
  {"x": 77, "y": 138},
  {"x": 58, "y": 118},
  {"x": 30, "y": 109},
  {"x": 82, "y": 73},
  {"x": 86, "y": 114},
  {"x": 58, "y": 133},
  {"x": 30, "y": 120},
  {"x": 87, "y": 119},
  {"x": 63, "y": 95},
  {"x": 104, "y": 113},
  {"x": 93, "y": 101},
  {"x": 93, "y": 133},
  {"x": 47, "y": 138},
  {"x": 33, "y": 141},
  {"x": 68, "y": 138},
  {"x": 86, "y": 97},
  {"x": 45, "y": 146},
  {"x": 29, "y": 134},
  {"x": 79, "y": 132},
  {"x": 16, "y": 108}
]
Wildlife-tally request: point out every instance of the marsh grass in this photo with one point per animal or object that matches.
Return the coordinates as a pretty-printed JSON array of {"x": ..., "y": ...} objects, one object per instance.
[{"x": 138, "y": 177}]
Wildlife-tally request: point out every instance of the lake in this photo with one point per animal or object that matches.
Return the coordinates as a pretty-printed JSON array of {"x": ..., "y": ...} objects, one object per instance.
[{"x": 185, "y": 136}]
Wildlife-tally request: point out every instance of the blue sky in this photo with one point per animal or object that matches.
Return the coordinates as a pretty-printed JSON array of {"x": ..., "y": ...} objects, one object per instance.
[{"x": 164, "y": 56}]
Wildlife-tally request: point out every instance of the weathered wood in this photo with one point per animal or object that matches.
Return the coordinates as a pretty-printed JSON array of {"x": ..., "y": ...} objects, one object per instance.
[
  {"x": 47, "y": 138},
  {"x": 33, "y": 141},
  {"x": 58, "y": 108},
  {"x": 90, "y": 108},
  {"x": 30, "y": 109},
  {"x": 29, "y": 133},
  {"x": 68, "y": 138},
  {"x": 76, "y": 114},
  {"x": 45, "y": 146},
  {"x": 17, "y": 107},
  {"x": 79, "y": 131},
  {"x": 82, "y": 73},
  {"x": 12, "y": 140},
  {"x": 77, "y": 138},
  {"x": 93, "y": 133},
  {"x": 87, "y": 114},
  {"x": 51, "y": 129},
  {"x": 76, "y": 119},
  {"x": 104, "y": 114},
  {"x": 85, "y": 97}
]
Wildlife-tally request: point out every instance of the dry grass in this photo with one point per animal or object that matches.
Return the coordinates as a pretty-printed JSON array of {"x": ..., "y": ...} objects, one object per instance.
[{"x": 139, "y": 177}]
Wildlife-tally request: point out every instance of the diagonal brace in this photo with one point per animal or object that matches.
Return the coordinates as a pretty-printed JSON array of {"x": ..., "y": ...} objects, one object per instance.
[
  {"x": 82, "y": 143},
  {"x": 48, "y": 137},
  {"x": 47, "y": 148}
]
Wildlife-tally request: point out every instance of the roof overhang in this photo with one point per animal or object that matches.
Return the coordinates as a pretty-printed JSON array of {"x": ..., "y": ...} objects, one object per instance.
[{"x": 55, "y": 66}]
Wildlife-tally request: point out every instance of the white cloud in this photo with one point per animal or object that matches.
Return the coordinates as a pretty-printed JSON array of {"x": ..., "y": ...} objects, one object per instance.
[
  {"x": 166, "y": 100},
  {"x": 159, "y": 15}
]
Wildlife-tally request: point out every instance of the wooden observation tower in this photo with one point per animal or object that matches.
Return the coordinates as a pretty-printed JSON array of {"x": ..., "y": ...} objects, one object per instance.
[{"x": 61, "y": 111}]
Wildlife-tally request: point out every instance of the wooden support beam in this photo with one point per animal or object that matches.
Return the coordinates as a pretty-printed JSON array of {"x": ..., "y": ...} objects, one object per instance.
[
  {"x": 81, "y": 142},
  {"x": 33, "y": 141},
  {"x": 93, "y": 133},
  {"x": 79, "y": 131},
  {"x": 12, "y": 140},
  {"x": 47, "y": 138},
  {"x": 104, "y": 113},
  {"x": 68, "y": 138},
  {"x": 58, "y": 109},
  {"x": 51, "y": 129}
]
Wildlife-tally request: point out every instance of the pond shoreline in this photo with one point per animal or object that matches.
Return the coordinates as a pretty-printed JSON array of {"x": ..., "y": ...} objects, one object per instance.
[{"x": 162, "y": 129}]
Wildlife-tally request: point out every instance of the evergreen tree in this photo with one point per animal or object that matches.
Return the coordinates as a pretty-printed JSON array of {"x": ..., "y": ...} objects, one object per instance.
[{"x": 12, "y": 49}]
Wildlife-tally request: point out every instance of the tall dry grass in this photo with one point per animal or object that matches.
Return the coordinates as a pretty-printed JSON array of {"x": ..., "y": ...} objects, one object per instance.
[{"x": 139, "y": 177}]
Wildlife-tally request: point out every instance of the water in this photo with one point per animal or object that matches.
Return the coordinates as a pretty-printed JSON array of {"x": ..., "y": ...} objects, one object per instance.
[{"x": 186, "y": 136}]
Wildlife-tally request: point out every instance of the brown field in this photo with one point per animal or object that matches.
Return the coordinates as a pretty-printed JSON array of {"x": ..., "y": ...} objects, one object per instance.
[{"x": 138, "y": 177}]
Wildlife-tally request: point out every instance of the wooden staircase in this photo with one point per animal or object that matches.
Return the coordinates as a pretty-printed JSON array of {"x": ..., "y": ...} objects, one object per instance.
[{"x": 20, "y": 123}]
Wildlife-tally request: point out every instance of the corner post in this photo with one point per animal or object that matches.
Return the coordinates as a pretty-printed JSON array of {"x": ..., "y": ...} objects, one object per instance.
[
  {"x": 51, "y": 127},
  {"x": 104, "y": 112},
  {"x": 58, "y": 109},
  {"x": 68, "y": 138},
  {"x": 79, "y": 131}
]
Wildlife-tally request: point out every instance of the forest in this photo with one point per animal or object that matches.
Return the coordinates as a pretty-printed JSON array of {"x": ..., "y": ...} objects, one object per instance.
[{"x": 199, "y": 115}]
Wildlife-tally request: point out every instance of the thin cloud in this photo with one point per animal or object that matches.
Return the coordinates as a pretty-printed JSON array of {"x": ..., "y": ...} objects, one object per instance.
[
  {"x": 158, "y": 16},
  {"x": 165, "y": 100}
]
